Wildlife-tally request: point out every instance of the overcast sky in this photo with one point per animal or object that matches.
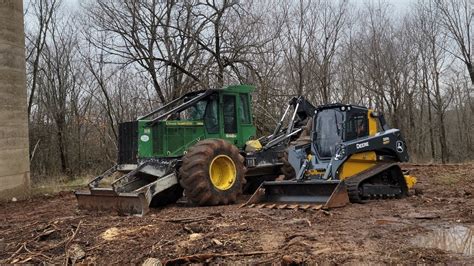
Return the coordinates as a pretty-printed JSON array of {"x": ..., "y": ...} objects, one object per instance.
[{"x": 401, "y": 5}]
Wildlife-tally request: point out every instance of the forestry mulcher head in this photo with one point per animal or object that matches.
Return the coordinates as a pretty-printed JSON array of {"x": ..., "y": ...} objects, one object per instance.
[{"x": 351, "y": 156}]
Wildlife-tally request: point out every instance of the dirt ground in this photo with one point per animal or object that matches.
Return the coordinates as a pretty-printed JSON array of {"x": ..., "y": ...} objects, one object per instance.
[{"x": 51, "y": 229}]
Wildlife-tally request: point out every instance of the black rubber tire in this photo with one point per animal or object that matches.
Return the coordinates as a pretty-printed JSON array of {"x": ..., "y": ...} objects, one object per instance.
[
  {"x": 286, "y": 169},
  {"x": 194, "y": 173},
  {"x": 305, "y": 137}
]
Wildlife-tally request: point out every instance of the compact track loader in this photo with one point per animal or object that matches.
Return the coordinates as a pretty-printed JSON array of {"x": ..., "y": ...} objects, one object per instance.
[
  {"x": 348, "y": 155},
  {"x": 201, "y": 143}
]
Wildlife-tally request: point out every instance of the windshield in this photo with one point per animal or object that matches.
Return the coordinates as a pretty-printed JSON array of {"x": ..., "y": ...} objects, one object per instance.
[
  {"x": 328, "y": 131},
  {"x": 194, "y": 112}
]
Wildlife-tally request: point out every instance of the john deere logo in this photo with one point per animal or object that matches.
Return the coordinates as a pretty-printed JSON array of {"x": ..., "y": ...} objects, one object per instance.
[
  {"x": 399, "y": 146},
  {"x": 362, "y": 145},
  {"x": 144, "y": 138}
]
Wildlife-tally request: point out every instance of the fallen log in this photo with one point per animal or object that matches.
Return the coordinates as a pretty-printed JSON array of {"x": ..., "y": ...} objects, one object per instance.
[{"x": 197, "y": 258}]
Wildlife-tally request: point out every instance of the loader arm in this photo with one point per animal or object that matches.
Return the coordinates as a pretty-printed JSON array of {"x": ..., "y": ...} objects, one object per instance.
[{"x": 302, "y": 110}]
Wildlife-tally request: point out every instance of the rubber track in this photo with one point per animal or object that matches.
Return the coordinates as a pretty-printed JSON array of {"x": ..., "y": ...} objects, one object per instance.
[{"x": 355, "y": 181}]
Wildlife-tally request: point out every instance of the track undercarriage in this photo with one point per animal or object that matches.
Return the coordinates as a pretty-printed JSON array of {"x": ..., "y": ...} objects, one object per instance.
[{"x": 384, "y": 181}]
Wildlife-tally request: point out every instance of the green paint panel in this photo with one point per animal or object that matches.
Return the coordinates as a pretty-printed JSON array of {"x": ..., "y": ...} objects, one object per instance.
[{"x": 145, "y": 140}]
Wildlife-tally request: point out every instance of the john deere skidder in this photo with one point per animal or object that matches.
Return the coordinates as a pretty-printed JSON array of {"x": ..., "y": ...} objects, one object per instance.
[{"x": 202, "y": 143}]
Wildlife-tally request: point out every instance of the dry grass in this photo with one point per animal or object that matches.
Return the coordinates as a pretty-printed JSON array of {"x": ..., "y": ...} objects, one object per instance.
[
  {"x": 58, "y": 184},
  {"x": 45, "y": 186},
  {"x": 453, "y": 175}
]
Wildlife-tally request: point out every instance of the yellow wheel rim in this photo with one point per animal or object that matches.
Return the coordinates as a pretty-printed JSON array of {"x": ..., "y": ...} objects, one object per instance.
[{"x": 222, "y": 172}]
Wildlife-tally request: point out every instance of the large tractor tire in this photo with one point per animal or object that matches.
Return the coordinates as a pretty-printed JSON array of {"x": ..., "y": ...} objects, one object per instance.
[
  {"x": 212, "y": 173},
  {"x": 286, "y": 169},
  {"x": 304, "y": 138}
]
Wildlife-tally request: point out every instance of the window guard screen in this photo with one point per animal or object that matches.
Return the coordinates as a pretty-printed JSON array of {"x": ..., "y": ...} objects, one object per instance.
[{"x": 230, "y": 123}]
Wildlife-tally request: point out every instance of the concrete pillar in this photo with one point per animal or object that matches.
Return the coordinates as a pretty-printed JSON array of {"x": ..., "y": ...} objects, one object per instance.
[{"x": 14, "y": 161}]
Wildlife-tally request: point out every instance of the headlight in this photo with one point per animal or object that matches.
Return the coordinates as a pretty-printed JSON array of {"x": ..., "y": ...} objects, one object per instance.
[{"x": 340, "y": 152}]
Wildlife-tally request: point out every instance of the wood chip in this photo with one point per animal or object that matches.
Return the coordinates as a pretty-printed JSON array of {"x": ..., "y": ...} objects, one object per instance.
[
  {"x": 75, "y": 252},
  {"x": 200, "y": 258},
  {"x": 152, "y": 262},
  {"x": 424, "y": 216},
  {"x": 326, "y": 212},
  {"x": 217, "y": 242},
  {"x": 289, "y": 260}
]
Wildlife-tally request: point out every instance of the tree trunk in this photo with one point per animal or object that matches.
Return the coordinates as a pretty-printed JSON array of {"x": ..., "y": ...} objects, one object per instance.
[
  {"x": 442, "y": 137},
  {"x": 62, "y": 146},
  {"x": 431, "y": 125},
  {"x": 470, "y": 69}
]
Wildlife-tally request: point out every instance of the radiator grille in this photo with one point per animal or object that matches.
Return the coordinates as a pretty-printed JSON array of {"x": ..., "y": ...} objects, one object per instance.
[{"x": 128, "y": 146}]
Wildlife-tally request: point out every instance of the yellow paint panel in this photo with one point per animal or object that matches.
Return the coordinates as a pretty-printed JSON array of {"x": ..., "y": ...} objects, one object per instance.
[
  {"x": 372, "y": 124},
  {"x": 357, "y": 163},
  {"x": 254, "y": 144},
  {"x": 410, "y": 180},
  {"x": 313, "y": 172}
]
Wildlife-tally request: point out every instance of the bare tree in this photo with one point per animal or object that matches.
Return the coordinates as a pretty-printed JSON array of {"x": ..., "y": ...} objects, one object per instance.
[
  {"x": 456, "y": 18},
  {"x": 330, "y": 23},
  {"x": 58, "y": 79},
  {"x": 121, "y": 59},
  {"x": 226, "y": 32},
  {"x": 138, "y": 33},
  {"x": 42, "y": 13}
]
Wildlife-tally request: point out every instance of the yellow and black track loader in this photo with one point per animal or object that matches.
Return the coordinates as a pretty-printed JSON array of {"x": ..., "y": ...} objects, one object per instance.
[{"x": 349, "y": 155}]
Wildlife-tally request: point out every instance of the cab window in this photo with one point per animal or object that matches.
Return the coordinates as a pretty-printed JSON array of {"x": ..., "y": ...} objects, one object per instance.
[
  {"x": 230, "y": 123},
  {"x": 357, "y": 126},
  {"x": 328, "y": 132},
  {"x": 194, "y": 112},
  {"x": 244, "y": 109},
  {"x": 211, "y": 117}
]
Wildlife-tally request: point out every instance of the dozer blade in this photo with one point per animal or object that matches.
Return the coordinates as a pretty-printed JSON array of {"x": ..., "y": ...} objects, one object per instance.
[
  {"x": 135, "y": 201},
  {"x": 328, "y": 193},
  {"x": 106, "y": 199}
]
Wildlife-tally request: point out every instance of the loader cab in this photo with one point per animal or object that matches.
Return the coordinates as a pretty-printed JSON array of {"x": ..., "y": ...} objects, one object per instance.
[{"x": 337, "y": 123}]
